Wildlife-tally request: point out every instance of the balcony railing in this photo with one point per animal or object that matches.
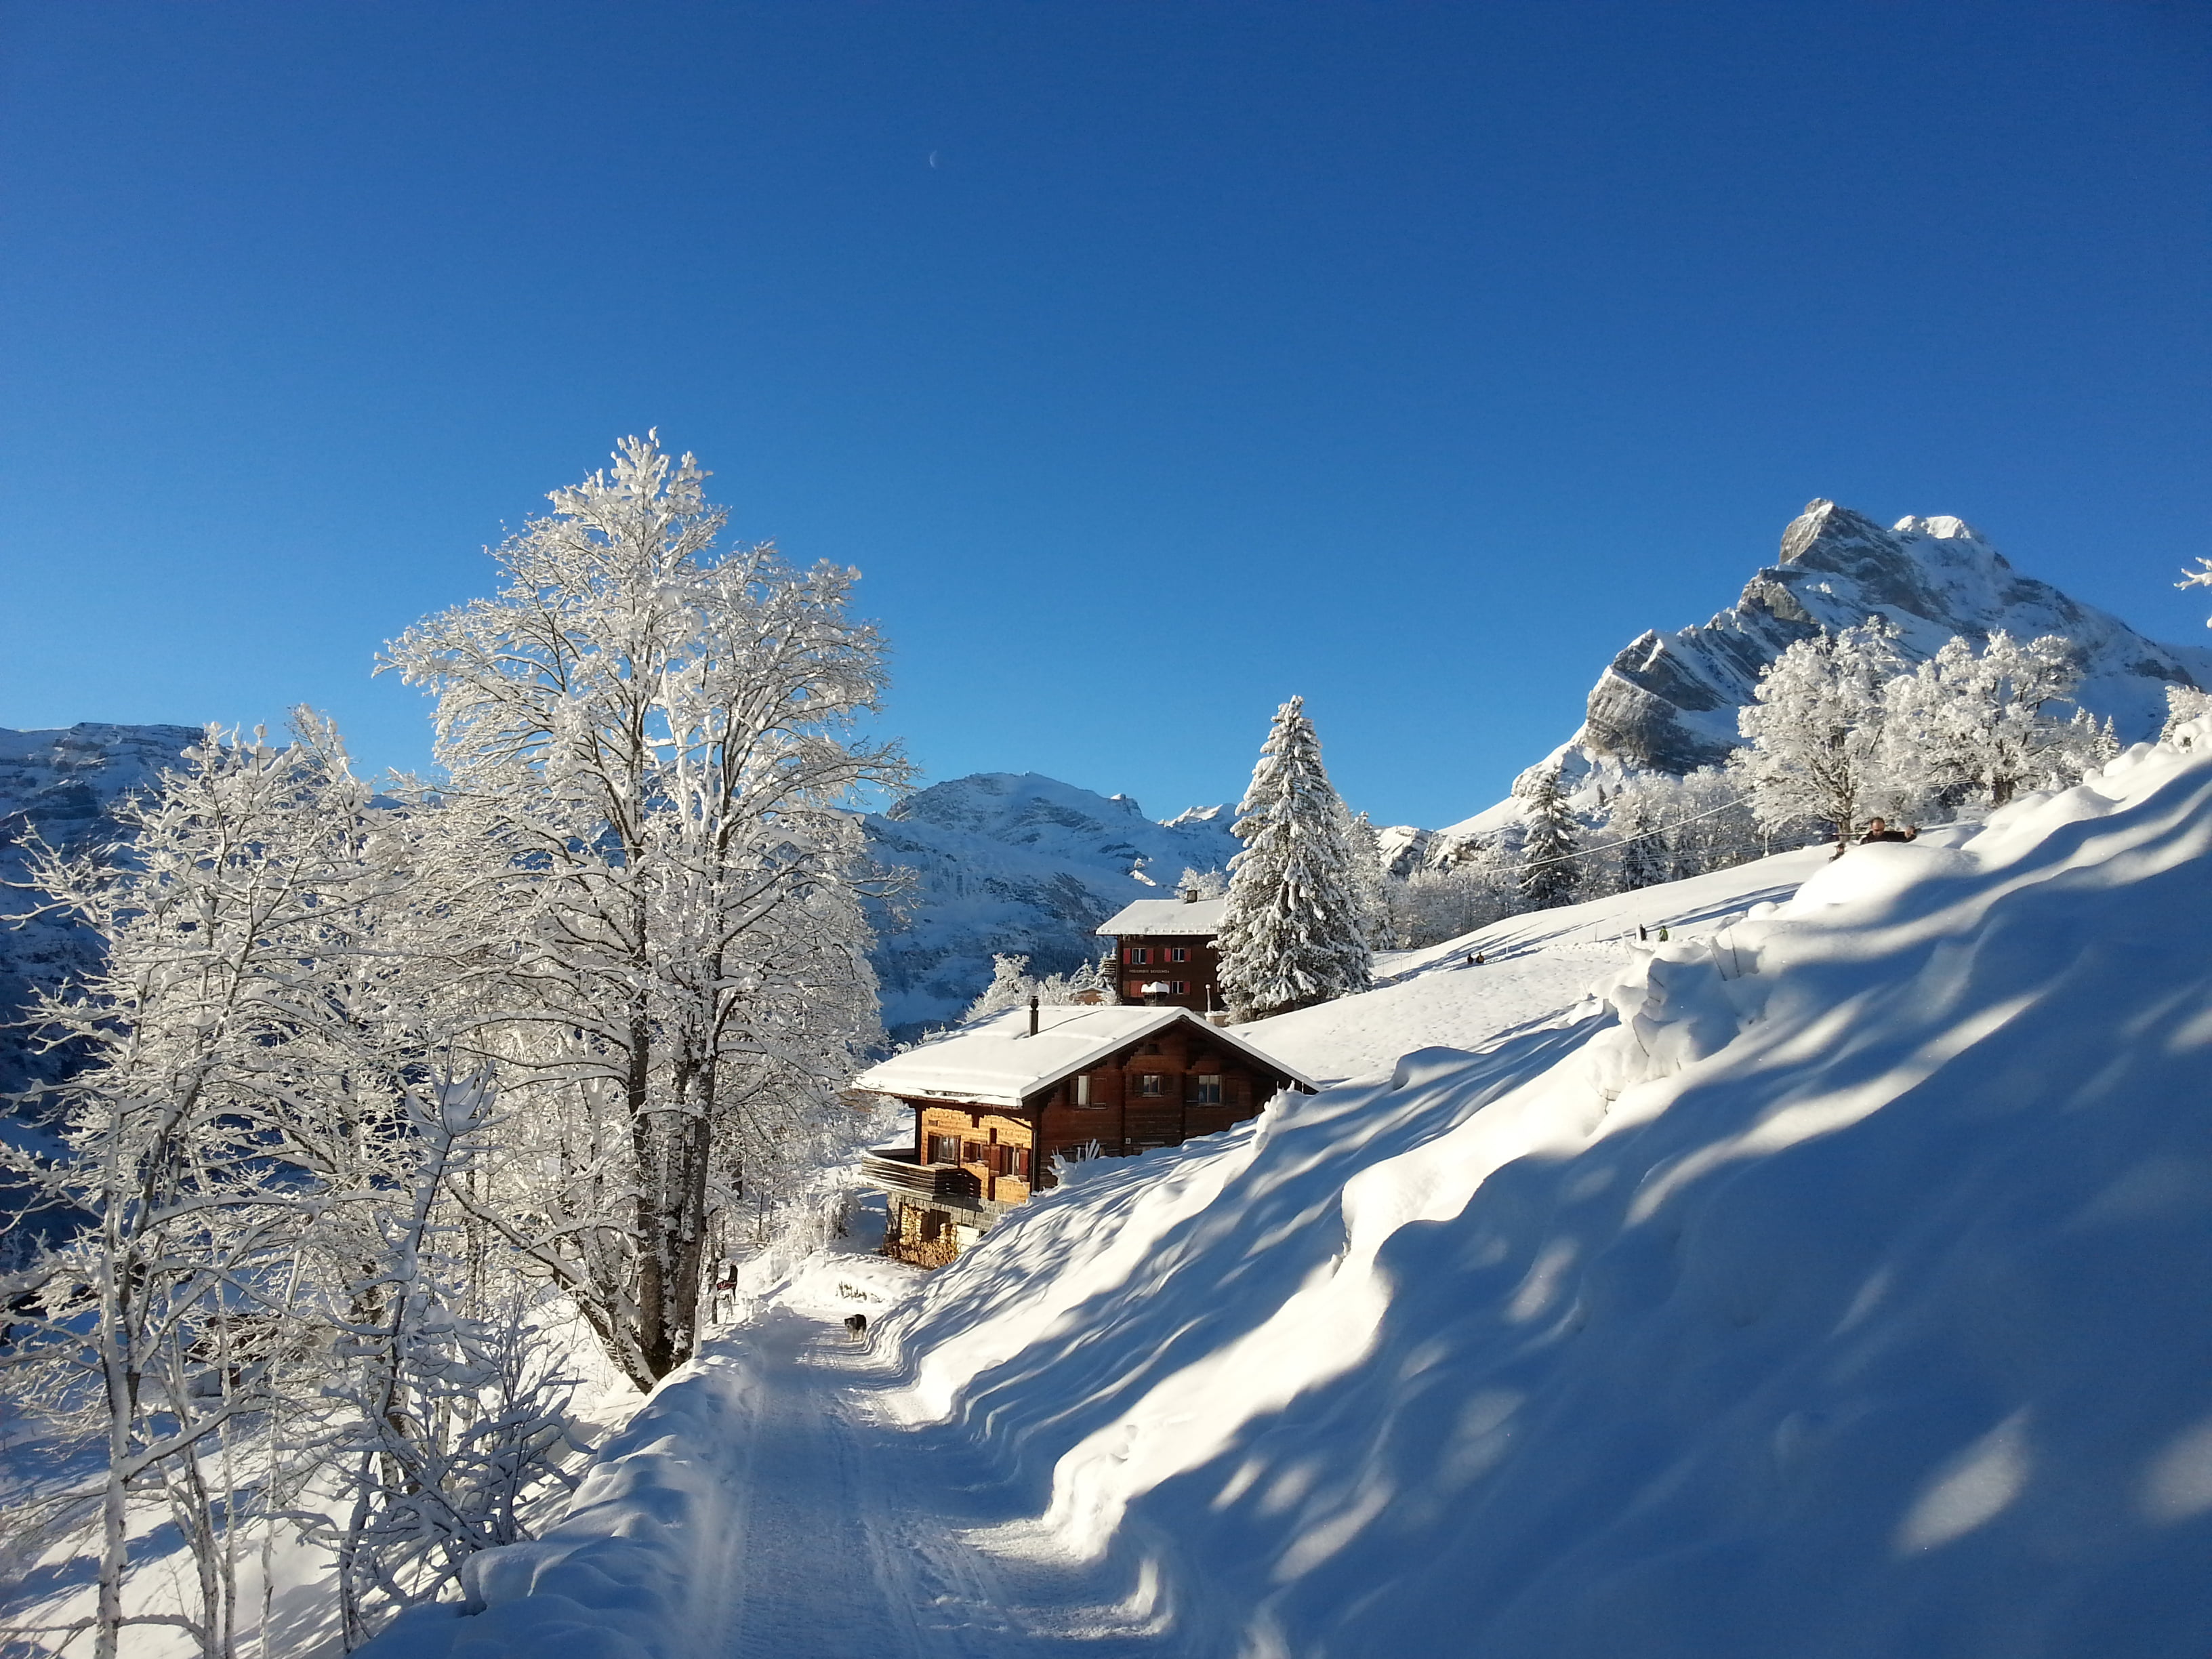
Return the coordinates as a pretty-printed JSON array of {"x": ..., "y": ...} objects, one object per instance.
[{"x": 894, "y": 1169}]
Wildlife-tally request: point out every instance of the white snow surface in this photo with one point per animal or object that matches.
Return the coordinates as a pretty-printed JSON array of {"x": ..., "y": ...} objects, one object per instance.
[{"x": 1837, "y": 1282}]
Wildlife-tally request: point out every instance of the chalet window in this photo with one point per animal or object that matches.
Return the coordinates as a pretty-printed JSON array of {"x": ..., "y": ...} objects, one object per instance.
[
  {"x": 971, "y": 1151},
  {"x": 1138, "y": 956},
  {"x": 1178, "y": 953},
  {"x": 1136, "y": 989},
  {"x": 1002, "y": 1158},
  {"x": 1151, "y": 1086},
  {"x": 1205, "y": 1089},
  {"x": 1020, "y": 1162},
  {"x": 944, "y": 1149},
  {"x": 1083, "y": 1091},
  {"x": 1180, "y": 986}
]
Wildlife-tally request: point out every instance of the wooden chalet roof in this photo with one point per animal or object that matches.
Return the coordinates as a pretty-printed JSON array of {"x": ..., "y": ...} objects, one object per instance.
[
  {"x": 996, "y": 1062},
  {"x": 1170, "y": 916}
]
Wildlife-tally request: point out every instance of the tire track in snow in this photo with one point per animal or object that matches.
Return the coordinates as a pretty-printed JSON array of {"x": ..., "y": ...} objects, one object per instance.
[{"x": 839, "y": 1546}]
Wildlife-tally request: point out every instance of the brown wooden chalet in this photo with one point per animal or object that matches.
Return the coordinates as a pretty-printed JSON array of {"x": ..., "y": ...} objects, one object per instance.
[
  {"x": 993, "y": 1102},
  {"x": 1164, "y": 951}
]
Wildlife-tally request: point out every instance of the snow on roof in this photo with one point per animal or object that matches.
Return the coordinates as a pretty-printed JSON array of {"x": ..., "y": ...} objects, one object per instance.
[
  {"x": 1173, "y": 915},
  {"x": 996, "y": 1062}
]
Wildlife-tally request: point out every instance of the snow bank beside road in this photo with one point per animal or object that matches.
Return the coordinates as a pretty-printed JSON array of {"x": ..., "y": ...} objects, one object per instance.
[
  {"x": 627, "y": 1572},
  {"x": 1840, "y": 1284}
]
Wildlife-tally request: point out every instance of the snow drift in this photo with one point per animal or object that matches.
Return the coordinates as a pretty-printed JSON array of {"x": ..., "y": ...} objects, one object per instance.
[{"x": 1838, "y": 1283}]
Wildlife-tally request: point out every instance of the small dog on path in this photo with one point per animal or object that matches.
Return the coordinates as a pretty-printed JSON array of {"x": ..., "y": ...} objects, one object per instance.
[{"x": 856, "y": 1327}]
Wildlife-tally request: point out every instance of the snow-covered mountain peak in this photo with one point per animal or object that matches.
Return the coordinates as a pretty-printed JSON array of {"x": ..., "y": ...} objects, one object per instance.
[
  {"x": 1942, "y": 528},
  {"x": 1220, "y": 813},
  {"x": 1668, "y": 701}
]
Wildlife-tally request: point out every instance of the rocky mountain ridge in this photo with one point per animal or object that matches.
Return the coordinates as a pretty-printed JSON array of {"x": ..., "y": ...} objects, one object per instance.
[{"x": 1667, "y": 703}]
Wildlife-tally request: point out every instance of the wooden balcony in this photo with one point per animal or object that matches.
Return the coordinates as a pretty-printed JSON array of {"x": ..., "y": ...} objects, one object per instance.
[{"x": 893, "y": 1169}]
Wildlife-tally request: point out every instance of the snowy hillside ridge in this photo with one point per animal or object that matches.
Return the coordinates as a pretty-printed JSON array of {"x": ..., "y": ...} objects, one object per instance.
[
  {"x": 1668, "y": 701},
  {"x": 1019, "y": 864},
  {"x": 1839, "y": 1282},
  {"x": 61, "y": 785}
]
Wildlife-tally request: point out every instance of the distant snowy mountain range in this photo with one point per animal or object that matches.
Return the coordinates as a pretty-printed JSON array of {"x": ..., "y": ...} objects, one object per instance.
[
  {"x": 1020, "y": 862},
  {"x": 1004, "y": 861},
  {"x": 999, "y": 862}
]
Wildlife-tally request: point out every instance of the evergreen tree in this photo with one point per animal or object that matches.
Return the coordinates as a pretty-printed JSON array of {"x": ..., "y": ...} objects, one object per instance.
[
  {"x": 1550, "y": 873},
  {"x": 1294, "y": 933}
]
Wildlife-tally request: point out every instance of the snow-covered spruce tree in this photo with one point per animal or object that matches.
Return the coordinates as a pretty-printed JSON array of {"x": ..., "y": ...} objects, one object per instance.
[
  {"x": 1550, "y": 873},
  {"x": 1294, "y": 933},
  {"x": 1815, "y": 751},
  {"x": 649, "y": 746},
  {"x": 1202, "y": 883}
]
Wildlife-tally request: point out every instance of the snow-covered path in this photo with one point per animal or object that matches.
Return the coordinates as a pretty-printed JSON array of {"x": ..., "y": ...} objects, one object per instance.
[{"x": 845, "y": 1536}]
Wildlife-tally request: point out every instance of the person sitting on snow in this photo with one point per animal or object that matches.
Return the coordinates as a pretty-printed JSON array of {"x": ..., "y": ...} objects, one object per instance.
[{"x": 1878, "y": 829}]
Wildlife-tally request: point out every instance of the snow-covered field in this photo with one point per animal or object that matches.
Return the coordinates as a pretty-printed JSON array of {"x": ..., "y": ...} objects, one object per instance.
[{"x": 1839, "y": 1283}]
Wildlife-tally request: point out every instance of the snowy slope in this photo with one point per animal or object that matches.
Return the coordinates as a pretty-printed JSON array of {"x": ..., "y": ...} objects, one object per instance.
[
  {"x": 1007, "y": 861},
  {"x": 1667, "y": 703},
  {"x": 1840, "y": 1284}
]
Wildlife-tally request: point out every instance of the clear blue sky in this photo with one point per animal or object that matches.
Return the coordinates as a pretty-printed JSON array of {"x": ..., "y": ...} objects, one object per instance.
[{"x": 1413, "y": 357}]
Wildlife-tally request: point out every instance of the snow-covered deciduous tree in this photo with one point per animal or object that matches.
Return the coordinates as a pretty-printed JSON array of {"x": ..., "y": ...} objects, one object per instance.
[
  {"x": 1364, "y": 850},
  {"x": 1432, "y": 905},
  {"x": 1638, "y": 828},
  {"x": 1969, "y": 727},
  {"x": 2184, "y": 705},
  {"x": 442, "y": 1411},
  {"x": 1294, "y": 933},
  {"x": 1710, "y": 824},
  {"x": 1550, "y": 873},
  {"x": 649, "y": 747},
  {"x": 1202, "y": 883},
  {"x": 1010, "y": 987},
  {"x": 149, "y": 1332},
  {"x": 249, "y": 1139},
  {"x": 1815, "y": 751},
  {"x": 2200, "y": 577}
]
